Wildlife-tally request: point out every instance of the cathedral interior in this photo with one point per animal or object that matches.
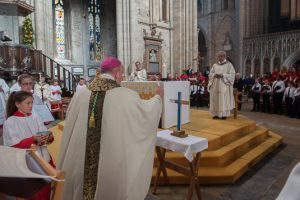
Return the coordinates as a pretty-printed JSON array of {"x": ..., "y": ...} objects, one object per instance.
[{"x": 67, "y": 40}]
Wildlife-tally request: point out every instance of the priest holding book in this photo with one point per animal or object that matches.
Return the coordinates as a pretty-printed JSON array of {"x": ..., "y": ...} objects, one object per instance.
[{"x": 108, "y": 145}]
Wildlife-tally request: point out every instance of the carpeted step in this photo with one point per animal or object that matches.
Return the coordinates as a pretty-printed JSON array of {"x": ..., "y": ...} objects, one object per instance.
[
  {"x": 230, "y": 173},
  {"x": 228, "y": 153},
  {"x": 61, "y": 125},
  {"x": 53, "y": 148}
]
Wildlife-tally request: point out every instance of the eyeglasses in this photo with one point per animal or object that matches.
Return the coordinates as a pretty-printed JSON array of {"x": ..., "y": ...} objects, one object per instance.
[{"x": 28, "y": 83}]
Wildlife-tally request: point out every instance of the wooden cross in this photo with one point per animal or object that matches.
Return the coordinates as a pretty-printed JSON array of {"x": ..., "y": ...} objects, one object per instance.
[{"x": 179, "y": 132}]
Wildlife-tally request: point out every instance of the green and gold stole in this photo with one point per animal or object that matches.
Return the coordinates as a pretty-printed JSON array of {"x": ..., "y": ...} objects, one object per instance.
[{"x": 99, "y": 86}]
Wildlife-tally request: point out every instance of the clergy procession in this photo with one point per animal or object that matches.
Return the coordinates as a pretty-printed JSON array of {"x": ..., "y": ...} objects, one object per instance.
[{"x": 149, "y": 100}]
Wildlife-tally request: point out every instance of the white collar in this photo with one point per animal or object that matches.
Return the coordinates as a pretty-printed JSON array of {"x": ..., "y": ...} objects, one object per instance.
[
  {"x": 221, "y": 63},
  {"x": 107, "y": 76}
]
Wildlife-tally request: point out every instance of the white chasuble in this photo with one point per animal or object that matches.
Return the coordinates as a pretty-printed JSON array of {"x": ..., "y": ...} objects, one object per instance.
[
  {"x": 128, "y": 136},
  {"x": 221, "y": 89}
]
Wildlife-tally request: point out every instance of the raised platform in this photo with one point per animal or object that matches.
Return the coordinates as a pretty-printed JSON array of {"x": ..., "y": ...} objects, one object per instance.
[{"x": 234, "y": 146}]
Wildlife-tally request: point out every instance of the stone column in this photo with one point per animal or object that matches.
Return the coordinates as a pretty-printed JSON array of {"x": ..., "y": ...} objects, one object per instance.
[
  {"x": 44, "y": 30},
  {"x": 123, "y": 31}
]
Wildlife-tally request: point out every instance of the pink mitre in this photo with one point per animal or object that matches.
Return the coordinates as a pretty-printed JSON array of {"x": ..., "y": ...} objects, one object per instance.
[{"x": 110, "y": 63}]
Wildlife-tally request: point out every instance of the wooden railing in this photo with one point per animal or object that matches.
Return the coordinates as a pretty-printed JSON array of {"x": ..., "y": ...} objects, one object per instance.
[{"x": 15, "y": 58}]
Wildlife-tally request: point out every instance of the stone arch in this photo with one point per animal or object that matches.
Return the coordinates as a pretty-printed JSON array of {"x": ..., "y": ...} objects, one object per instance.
[
  {"x": 276, "y": 63},
  {"x": 247, "y": 68},
  {"x": 256, "y": 67},
  {"x": 291, "y": 59}
]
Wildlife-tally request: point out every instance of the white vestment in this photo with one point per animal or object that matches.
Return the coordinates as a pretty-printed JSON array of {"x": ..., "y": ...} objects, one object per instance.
[
  {"x": 55, "y": 94},
  {"x": 16, "y": 129},
  {"x": 45, "y": 95},
  {"x": 128, "y": 136},
  {"x": 3, "y": 98},
  {"x": 15, "y": 87},
  {"x": 140, "y": 75},
  {"x": 221, "y": 89},
  {"x": 290, "y": 190}
]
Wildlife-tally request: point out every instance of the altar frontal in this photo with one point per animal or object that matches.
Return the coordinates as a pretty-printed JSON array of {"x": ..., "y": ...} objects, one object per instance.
[{"x": 147, "y": 89}]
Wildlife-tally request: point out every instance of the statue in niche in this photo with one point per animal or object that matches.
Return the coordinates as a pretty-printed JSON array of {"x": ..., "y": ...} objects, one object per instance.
[{"x": 152, "y": 56}]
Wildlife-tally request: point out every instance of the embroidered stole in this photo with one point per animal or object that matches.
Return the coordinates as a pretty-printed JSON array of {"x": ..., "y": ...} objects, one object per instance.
[{"x": 98, "y": 87}]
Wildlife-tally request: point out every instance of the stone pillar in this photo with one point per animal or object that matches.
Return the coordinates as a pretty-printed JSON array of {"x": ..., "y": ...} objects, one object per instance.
[
  {"x": 123, "y": 31},
  {"x": 44, "y": 30}
]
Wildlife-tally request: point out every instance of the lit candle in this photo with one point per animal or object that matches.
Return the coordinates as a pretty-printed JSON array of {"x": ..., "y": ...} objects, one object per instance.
[{"x": 179, "y": 111}]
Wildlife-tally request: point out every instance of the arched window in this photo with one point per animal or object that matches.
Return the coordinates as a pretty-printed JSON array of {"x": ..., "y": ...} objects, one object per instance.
[
  {"x": 200, "y": 7},
  {"x": 248, "y": 68},
  {"x": 94, "y": 30},
  {"x": 267, "y": 66},
  {"x": 60, "y": 29},
  {"x": 256, "y": 68}
]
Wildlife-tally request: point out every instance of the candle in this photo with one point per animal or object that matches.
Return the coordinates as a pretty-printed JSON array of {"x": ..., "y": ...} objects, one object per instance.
[
  {"x": 179, "y": 111},
  {"x": 164, "y": 71},
  {"x": 40, "y": 76}
]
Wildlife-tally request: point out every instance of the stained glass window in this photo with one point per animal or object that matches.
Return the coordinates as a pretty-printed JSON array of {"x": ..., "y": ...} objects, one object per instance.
[
  {"x": 60, "y": 29},
  {"x": 94, "y": 30}
]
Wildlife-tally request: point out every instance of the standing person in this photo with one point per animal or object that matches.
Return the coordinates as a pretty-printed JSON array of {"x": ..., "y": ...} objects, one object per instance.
[
  {"x": 239, "y": 85},
  {"x": 296, "y": 102},
  {"x": 288, "y": 97},
  {"x": 189, "y": 71},
  {"x": 107, "y": 148},
  {"x": 220, "y": 86},
  {"x": 26, "y": 82},
  {"x": 55, "y": 91},
  {"x": 139, "y": 74},
  {"x": 4, "y": 90},
  {"x": 256, "y": 89},
  {"x": 266, "y": 92},
  {"x": 21, "y": 130},
  {"x": 81, "y": 85},
  {"x": 278, "y": 88},
  {"x": 55, "y": 95},
  {"x": 42, "y": 90}
]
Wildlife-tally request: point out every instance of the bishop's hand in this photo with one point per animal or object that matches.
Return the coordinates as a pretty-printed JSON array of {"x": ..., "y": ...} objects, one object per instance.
[{"x": 159, "y": 91}]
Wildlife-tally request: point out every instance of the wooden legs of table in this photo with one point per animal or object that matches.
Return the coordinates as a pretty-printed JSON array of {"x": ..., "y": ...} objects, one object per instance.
[
  {"x": 191, "y": 171},
  {"x": 161, "y": 153},
  {"x": 194, "y": 179}
]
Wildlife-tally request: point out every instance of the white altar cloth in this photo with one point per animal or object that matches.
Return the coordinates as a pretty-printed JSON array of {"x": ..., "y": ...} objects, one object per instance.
[{"x": 187, "y": 146}]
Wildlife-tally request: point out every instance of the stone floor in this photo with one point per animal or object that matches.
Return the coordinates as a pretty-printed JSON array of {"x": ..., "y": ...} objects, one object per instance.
[{"x": 265, "y": 180}]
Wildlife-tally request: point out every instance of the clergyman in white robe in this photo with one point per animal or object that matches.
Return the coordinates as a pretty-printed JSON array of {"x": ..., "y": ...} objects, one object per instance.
[
  {"x": 128, "y": 135},
  {"x": 221, "y": 89}
]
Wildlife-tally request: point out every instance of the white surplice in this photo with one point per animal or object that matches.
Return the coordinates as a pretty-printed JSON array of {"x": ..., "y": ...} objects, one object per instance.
[
  {"x": 128, "y": 136},
  {"x": 221, "y": 89},
  {"x": 140, "y": 75},
  {"x": 16, "y": 129},
  {"x": 3, "y": 98}
]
